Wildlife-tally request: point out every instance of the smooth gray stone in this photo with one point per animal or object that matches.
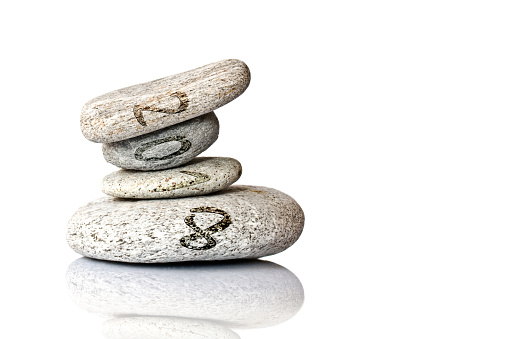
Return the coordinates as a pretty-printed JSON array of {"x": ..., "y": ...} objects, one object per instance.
[
  {"x": 239, "y": 222},
  {"x": 200, "y": 176},
  {"x": 165, "y": 328},
  {"x": 148, "y": 107},
  {"x": 166, "y": 148},
  {"x": 236, "y": 293}
]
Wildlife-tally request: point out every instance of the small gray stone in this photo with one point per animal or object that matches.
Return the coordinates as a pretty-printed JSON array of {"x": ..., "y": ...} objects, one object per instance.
[
  {"x": 148, "y": 107},
  {"x": 239, "y": 222},
  {"x": 237, "y": 293},
  {"x": 169, "y": 147},
  {"x": 198, "y": 177},
  {"x": 165, "y": 328}
]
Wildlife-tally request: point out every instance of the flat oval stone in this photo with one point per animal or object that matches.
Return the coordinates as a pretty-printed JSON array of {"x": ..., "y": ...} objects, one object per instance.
[
  {"x": 239, "y": 222},
  {"x": 169, "y": 147},
  {"x": 235, "y": 293},
  {"x": 200, "y": 176},
  {"x": 148, "y": 107},
  {"x": 164, "y": 328}
]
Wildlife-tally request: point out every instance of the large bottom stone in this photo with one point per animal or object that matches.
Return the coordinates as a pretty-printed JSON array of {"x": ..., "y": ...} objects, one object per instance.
[{"x": 239, "y": 222}]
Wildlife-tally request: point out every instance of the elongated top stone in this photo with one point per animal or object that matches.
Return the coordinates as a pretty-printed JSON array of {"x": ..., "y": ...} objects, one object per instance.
[
  {"x": 202, "y": 175},
  {"x": 238, "y": 222},
  {"x": 147, "y": 107}
]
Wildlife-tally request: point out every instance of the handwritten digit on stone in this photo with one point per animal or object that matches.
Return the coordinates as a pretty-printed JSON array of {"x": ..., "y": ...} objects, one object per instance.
[
  {"x": 200, "y": 178},
  {"x": 157, "y": 104},
  {"x": 185, "y": 145},
  {"x": 204, "y": 234}
]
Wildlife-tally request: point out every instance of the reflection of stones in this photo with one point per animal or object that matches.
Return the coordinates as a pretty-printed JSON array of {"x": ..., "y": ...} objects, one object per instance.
[
  {"x": 165, "y": 328},
  {"x": 239, "y": 294}
]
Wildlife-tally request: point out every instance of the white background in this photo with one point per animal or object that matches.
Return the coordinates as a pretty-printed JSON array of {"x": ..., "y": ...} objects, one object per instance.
[{"x": 386, "y": 120}]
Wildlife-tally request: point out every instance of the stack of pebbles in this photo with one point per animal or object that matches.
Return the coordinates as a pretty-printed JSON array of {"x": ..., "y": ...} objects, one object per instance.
[{"x": 166, "y": 204}]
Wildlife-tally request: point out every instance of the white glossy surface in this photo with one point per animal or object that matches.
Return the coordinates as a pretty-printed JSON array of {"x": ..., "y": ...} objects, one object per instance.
[
  {"x": 164, "y": 328},
  {"x": 386, "y": 120}
]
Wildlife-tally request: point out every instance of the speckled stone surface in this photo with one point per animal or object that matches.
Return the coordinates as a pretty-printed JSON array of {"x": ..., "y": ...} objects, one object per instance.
[
  {"x": 239, "y": 222},
  {"x": 237, "y": 294},
  {"x": 164, "y": 328},
  {"x": 165, "y": 148},
  {"x": 200, "y": 176},
  {"x": 148, "y": 107}
]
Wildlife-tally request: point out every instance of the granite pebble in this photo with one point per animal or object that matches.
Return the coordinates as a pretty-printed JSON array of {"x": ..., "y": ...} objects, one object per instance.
[
  {"x": 166, "y": 148},
  {"x": 150, "y": 106},
  {"x": 238, "y": 222},
  {"x": 201, "y": 176}
]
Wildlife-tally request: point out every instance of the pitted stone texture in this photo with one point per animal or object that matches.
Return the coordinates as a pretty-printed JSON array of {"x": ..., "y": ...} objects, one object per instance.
[
  {"x": 200, "y": 176},
  {"x": 239, "y": 222},
  {"x": 148, "y": 107},
  {"x": 164, "y": 327},
  {"x": 237, "y": 294},
  {"x": 166, "y": 148}
]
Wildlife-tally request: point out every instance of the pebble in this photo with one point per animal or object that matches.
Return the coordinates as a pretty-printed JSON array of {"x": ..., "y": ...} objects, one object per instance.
[
  {"x": 166, "y": 148},
  {"x": 238, "y": 222},
  {"x": 200, "y": 176},
  {"x": 238, "y": 294},
  {"x": 150, "y": 106},
  {"x": 164, "y": 327}
]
